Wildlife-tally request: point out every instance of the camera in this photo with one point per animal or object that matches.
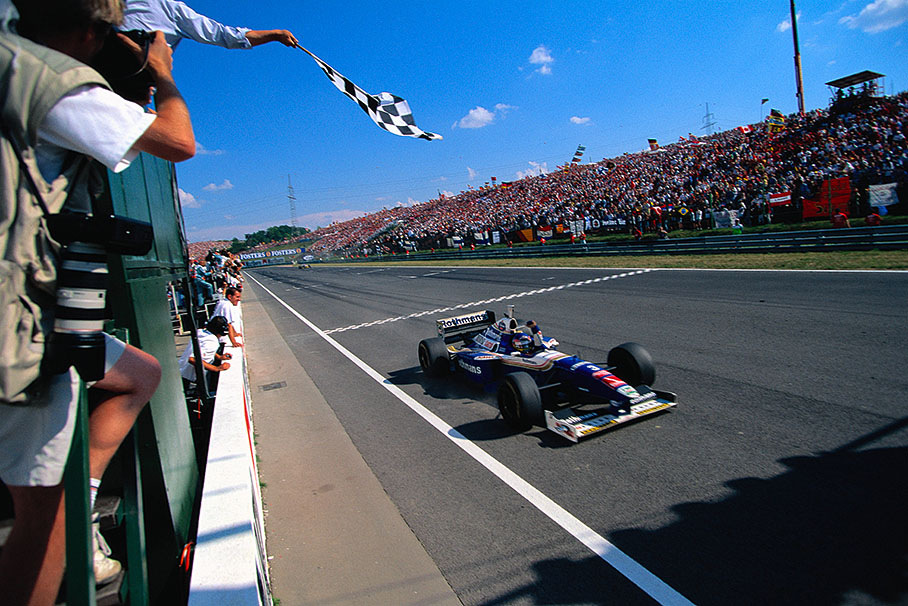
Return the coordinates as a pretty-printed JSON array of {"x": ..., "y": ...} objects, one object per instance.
[
  {"x": 80, "y": 311},
  {"x": 127, "y": 75},
  {"x": 117, "y": 235}
]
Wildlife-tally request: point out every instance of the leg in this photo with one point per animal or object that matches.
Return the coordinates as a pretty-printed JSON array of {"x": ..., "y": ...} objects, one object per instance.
[
  {"x": 31, "y": 563},
  {"x": 130, "y": 383},
  {"x": 34, "y": 445}
]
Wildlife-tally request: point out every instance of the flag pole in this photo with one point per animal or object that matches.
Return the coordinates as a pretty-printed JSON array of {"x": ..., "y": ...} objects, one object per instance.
[{"x": 799, "y": 81}]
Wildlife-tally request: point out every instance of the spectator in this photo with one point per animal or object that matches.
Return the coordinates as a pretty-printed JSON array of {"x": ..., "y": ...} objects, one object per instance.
[
  {"x": 209, "y": 345},
  {"x": 229, "y": 309},
  {"x": 840, "y": 219},
  {"x": 63, "y": 109}
]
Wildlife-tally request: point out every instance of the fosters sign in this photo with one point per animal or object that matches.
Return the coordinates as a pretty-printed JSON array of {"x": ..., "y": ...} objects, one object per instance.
[{"x": 273, "y": 253}]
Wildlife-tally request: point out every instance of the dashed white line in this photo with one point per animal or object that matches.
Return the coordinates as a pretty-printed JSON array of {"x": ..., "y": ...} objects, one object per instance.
[
  {"x": 652, "y": 585},
  {"x": 528, "y": 293}
]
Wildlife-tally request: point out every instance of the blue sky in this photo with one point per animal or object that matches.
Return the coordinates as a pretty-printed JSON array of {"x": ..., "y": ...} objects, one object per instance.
[{"x": 512, "y": 87}]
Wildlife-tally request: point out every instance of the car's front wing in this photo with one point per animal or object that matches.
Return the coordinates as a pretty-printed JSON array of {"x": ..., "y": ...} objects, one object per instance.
[{"x": 575, "y": 425}]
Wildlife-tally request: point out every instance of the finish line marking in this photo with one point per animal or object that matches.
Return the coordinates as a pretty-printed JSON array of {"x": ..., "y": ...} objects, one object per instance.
[
  {"x": 617, "y": 559},
  {"x": 528, "y": 293}
]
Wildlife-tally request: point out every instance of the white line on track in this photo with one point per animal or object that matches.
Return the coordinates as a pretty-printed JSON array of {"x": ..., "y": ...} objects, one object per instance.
[
  {"x": 528, "y": 293},
  {"x": 624, "y": 564}
]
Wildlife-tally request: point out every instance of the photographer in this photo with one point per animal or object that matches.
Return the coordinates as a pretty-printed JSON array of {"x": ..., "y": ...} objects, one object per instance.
[{"x": 58, "y": 115}]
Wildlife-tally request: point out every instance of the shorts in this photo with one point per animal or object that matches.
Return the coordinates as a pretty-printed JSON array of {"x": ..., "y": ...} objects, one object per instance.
[{"x": 35, "y": 439}]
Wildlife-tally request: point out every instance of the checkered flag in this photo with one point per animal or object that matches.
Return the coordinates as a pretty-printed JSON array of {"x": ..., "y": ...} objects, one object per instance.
[{"x": 389, "y": 111}]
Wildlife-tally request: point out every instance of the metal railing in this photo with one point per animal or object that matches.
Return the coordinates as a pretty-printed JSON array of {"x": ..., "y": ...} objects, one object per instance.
[{"x": 890, "y": 237}]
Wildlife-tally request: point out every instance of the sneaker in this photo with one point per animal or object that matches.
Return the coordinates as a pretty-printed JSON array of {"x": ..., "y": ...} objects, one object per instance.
[{"x": 106, "y": 568}]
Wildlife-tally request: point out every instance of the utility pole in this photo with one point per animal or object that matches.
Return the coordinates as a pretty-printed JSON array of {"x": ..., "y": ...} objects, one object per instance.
[
  {"x": 799, "y": 81},
  {"x": 708, "y": 121},
  {"x": 292, "y": 198}
]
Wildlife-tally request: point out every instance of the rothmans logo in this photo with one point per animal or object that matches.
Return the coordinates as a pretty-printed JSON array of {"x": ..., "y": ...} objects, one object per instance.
[{"x": 469, "y": 367}]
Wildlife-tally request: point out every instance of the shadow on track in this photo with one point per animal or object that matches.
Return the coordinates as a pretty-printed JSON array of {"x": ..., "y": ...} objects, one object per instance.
[
  {"x": 830, "y": 530},
  {"x": 493, "y": 428}
]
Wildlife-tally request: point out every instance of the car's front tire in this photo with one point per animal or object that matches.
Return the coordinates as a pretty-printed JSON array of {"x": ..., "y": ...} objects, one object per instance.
[
  {"x": 520, "y": 402},
  {"x": 433, "y": 357},
  {"x": 631, "y": 363}
]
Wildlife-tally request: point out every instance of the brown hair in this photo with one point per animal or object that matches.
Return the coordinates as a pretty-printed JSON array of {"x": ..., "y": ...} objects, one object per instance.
[{"x": 40, "y": 17}]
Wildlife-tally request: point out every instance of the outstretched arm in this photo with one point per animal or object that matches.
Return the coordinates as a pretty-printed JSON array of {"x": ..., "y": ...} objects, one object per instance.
[{"x": 263, "y": 36}]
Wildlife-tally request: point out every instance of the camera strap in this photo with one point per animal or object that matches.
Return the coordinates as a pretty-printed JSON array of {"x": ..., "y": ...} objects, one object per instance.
[
  {"x": 29, "y": 177},
  {"x": 24, "y": 167}
]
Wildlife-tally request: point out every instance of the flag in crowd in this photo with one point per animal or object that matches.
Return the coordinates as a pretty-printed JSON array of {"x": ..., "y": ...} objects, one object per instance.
[
  {"x": 388, "y": 111},
  {"x": 883, "y": 195},
  {"x": 776, "y": 121},
  {"x": 780, "y": 199},
  {"x": 653, "y": 144},
  {"x": 578, "y": 154}
]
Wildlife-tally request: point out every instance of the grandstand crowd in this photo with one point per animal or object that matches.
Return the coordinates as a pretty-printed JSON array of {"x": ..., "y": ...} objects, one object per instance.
[{"x": 675, "y": 186}]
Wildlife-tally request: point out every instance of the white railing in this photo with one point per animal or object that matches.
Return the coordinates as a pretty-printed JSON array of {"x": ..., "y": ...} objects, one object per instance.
[{"x": 230, "y": 563}]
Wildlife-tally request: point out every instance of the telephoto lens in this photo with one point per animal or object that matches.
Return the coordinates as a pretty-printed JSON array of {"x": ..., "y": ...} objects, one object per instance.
[{"x": 78, "y": 337}]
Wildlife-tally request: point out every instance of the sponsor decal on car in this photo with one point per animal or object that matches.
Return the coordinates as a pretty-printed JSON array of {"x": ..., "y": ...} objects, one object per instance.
[
  {"x": 485, "y": 342},
  {"x": 463, "y": 320},
  {"x": 650, "y": 407},
  {"x": 609, "y": 379},
  {"x": 476, "y": 370},
  {"x": 644, "y": 398},
  {"x": 627, "y": 390}
]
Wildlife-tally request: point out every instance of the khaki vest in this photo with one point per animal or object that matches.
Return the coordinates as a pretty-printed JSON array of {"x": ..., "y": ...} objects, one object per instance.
[{"x": 32, "y": 79}]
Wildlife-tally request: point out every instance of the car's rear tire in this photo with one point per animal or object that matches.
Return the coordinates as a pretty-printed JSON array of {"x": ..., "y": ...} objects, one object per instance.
[
  {"x": 433, "y": 357},
  {"x": 632, "y": 364},
  {"x": 520, "y": 402}
]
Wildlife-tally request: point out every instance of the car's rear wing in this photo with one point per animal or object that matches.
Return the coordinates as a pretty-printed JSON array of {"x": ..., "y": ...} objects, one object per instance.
[{"x": 461, "y": 326}]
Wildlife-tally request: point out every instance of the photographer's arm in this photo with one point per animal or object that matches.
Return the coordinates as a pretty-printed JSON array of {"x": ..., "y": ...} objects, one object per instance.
[{"x": 170, "y": 136}]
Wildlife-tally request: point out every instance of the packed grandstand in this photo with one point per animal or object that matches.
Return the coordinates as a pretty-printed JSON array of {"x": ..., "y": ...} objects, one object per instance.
[{"x": 684, "y": 185}]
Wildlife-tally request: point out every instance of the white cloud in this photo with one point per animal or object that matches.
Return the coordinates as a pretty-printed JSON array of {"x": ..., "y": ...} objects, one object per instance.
[
  {"x": 784, "y": 26},
  {"x": 542, "y": 57},
  {"x": 223, "y": 186},
  {"x": 579, "y": 120},
  {"x": 878, "y": 16},
  {"x": 476, "y": 118},
  {"x": 187, "y": 200},
  {"x": 201, "y": 150},
  {"x": 479, "y": 116},
  {"x": 471, "y": 172},
  {"x": 535, "y": 170}
]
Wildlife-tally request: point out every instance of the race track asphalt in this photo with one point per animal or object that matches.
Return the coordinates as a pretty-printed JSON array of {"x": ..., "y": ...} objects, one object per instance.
[{"x": 779, "y": 478}]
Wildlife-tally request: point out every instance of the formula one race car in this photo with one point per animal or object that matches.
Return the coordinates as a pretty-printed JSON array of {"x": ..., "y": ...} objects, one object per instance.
[{"x": 538, "y": 385}]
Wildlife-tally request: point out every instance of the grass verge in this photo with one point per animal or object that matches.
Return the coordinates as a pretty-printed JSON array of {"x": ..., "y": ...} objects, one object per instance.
[{"x": 834, "y": 260}]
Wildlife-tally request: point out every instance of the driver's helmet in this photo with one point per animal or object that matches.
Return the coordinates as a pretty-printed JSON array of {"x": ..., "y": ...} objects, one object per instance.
[{"x": 523, "y": 343}]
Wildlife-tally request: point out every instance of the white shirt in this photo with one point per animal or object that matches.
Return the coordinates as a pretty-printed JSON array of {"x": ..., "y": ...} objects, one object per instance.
[
  {"x": 178, "y": 21},
  {"x": 234, "y": 316},
  {"x": 93, "y": 121},
  {"x": 208, "y": 346}
]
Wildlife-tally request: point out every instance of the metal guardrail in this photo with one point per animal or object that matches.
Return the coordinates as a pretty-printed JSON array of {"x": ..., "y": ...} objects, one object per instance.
[{"x": 894, "y": 237}]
